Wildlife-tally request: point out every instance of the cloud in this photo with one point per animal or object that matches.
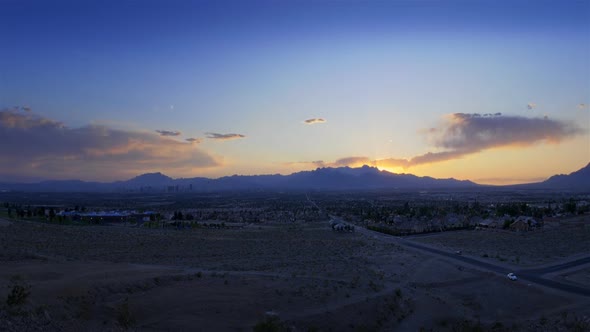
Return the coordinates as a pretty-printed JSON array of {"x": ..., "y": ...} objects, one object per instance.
[
  {"x": 314, "y": 121},
  {"x": 530, "y": 106},
  {"x": 351, "y": 161},
  {"x": 193, "y": 140},
  {"x": 463, "y": 134},
  {"x": 224, "y": 137},
  {"x": 168, "y": 133},
  {"x": 35, "y": 146}
]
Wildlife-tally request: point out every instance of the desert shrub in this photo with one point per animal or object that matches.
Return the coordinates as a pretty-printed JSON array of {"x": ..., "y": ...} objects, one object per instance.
[
  {"x": 124, "y": 317},
  {"x": 354, "y": 283},
  {"x": 19, "y": 292},
  {"x": 270, "y": 324},
  {"x": 543, "y": 320},
  {"x": 577, "y": 324},
  {"x": 374, "y": 286},
  {"x": 468, "y": 326},
  {"x": 497, "y": 326}
]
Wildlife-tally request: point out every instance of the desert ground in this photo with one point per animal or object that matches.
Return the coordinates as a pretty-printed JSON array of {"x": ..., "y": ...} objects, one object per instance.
[
  {"x": 283, "y": 276},
  {"x": 525, "y": 249}
]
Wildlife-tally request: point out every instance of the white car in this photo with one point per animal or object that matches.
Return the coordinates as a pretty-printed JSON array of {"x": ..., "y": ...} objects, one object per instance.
[{"x": 511, "y": 276}]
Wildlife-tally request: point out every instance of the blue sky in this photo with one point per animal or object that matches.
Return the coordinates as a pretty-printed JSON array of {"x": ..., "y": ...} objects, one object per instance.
[{"x": 381, "y": 73}]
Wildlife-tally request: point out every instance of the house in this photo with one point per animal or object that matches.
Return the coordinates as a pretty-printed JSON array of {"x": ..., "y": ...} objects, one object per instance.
[
  {"x": 141, "y": 217},
  {"x": 532, "y": 222},
  {"x": 453, "y": 220},
  {"x": 103, "y": 216},
  {"x": 520, "y": 225},
  {"x": 475, "y": 220},
  {"x": 490, "y": 223}
]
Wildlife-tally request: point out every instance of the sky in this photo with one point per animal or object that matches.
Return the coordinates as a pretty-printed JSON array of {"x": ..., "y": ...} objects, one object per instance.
[{"x": 492, "y": 91}]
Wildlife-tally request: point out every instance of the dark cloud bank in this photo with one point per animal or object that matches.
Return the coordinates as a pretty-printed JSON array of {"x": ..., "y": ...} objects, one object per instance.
[
  {"x": 41, "y": 147},
  {"x": 462, "y": 134}
]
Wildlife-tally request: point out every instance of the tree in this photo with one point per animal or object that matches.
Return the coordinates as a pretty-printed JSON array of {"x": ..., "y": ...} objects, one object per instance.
[
  {"x": 51, "y": 214},
  {"x": 570, "y": 206}
]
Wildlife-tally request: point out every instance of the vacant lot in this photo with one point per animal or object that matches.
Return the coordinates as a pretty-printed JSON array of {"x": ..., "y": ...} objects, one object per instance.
[
  {"x": 526, "y": 249},
  {"x": 96, "y": 278}
]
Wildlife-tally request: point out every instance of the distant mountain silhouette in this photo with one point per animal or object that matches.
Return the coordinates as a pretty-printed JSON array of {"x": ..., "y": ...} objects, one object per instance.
[
  {"x": 341, "y": 178},
  {"x": 150, "y": 179},
  {"x": 367, "y": 177},
  {"x": 577, "y": 180}
]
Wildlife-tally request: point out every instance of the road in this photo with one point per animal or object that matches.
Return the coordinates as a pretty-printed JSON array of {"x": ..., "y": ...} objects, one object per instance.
[
  {"x": 532, "y": 275},
  {"x": 559, "y": 267}
]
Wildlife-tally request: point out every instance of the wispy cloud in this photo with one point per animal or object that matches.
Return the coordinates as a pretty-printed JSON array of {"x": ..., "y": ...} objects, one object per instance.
[
  {"x": 224, "y": 137},
  {"x": 193, "y": 140},
  {"x": 32, "y": 145},
  {"x": 168, "y": 133},
  {"x": 463, "y": 134},
  {"x": 314, "y": 121}
]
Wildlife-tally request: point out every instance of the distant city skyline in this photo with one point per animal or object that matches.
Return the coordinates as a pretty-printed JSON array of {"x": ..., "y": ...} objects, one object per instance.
[{"x": 493, "y": 92}]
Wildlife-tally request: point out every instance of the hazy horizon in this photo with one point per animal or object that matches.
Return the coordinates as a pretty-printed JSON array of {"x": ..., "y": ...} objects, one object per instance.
[
  {"x": 492, "y": 92},
  {"x": 483, "y": 182}
]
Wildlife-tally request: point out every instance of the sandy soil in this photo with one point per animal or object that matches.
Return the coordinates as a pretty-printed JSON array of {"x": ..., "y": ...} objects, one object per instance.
[{"x": 99, "y": 278}]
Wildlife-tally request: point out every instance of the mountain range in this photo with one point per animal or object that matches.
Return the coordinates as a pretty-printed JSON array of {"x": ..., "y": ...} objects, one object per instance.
[{"x": 341, "y": 178}]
